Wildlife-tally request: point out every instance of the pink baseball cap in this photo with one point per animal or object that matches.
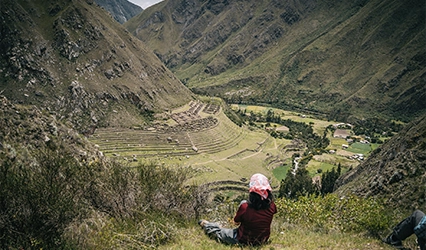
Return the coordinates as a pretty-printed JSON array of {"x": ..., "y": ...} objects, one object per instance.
[{"x": 260, "y": 185}]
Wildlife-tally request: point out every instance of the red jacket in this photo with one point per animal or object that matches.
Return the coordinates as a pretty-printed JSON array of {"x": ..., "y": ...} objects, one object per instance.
[{"x": 255, "y": 226}]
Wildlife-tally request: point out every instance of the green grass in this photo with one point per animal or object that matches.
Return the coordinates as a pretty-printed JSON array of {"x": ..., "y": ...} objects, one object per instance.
[
  {"x": 360, "y": 148},
  {"x": 317, "y": 124},
  {"x": 328, "y": 161},
  {"x": 313, "y": 167},
  {"x": 281, "y": 172},
  {"x": 282, "y": 237},
  {"x": 336, "y": 143},
  {"x": 374, "y": 146},
  {"x": 309, "y": 223}
]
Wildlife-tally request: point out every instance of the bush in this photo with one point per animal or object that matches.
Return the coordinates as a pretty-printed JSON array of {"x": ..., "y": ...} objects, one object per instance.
[
  {"x": 39, "y": 198},
  {"x": 50, "y": 199},
  {"x": 166, "y": 190}
]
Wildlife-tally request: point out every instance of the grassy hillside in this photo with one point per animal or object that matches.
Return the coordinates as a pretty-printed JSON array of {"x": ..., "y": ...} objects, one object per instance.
[
  {"x": 347, "y": 59},
  {"x": 290, "y": 239}
]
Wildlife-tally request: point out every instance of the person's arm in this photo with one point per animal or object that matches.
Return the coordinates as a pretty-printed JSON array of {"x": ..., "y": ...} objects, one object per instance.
[
  {"x": 274, "y": 207},
  {"x": 240, "y": 212}
]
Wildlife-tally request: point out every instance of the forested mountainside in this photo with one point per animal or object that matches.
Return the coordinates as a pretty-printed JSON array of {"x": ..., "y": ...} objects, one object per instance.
[
  {"x": 346, "y": 59},
  {"x": 73, "y": 59},
  {"x": 121, "y": 10},
  {"x": 395, "y": 172}
]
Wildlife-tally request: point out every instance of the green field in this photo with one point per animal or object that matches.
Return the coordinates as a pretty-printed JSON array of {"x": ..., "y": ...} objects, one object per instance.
[{"x": 360, "y": 148}]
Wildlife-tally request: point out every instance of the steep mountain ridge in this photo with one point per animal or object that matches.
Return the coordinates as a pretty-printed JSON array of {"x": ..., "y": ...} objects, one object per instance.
[
  {"x": 73, "y": 59},
  {"x": 347, "y": 58},
  {"x": 394, "y": 172},
  {"x": 121, "y": 10}
]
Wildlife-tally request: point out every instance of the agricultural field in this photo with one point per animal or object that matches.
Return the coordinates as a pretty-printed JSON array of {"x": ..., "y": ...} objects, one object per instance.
[
  {"x": 318, "y": 125},
  {"x": 201, "y": 137}
]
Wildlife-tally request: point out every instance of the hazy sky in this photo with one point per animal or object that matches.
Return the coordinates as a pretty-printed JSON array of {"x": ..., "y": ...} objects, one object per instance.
[{"x": 144, "y": 3}]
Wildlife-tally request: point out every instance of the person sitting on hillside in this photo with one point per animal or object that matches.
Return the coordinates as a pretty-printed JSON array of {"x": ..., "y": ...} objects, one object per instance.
[
  {"x": 413, "y": 224},
  {"x": 254, "y": 216}
]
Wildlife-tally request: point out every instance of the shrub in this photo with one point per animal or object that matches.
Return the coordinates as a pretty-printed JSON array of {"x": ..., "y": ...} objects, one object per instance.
[
  {"x": 165, "y": 189},
  {"x": 50, "y": 199},
  {"x": 39, "y": 197}
]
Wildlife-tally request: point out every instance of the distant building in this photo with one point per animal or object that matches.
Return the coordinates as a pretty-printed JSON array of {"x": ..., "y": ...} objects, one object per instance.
[
  {"x": 283, "y": 129},
  {"x": 359, "y": 157},
  {"x": 341, "y": 133},
  {"x": 343, "y": 125}
]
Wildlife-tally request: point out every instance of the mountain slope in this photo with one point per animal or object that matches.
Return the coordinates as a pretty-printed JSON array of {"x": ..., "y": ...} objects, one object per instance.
[
  {"x": 26, "y": 129},
  {"x": 360, "y": 58},
  {"x": 395, "y": 171},
  {"x": 121, "y": 10},
  {"x": 73, "y": 59}
]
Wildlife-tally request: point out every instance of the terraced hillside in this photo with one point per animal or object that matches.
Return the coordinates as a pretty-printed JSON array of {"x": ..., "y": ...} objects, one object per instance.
[{"x": 200, "y": 128}]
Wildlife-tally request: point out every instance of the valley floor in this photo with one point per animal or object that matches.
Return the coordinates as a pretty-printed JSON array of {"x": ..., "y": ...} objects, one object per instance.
[{"x": 201, "y": 136}]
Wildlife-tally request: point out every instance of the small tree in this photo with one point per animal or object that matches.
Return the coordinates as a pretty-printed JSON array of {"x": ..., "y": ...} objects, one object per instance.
[
  {"x": 328, "y": 179},
  {"x": 299, "y": 184}
]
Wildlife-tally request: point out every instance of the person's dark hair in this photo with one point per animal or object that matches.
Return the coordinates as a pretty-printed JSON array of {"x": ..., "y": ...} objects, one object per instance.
[{"x": 256, "y": 202}]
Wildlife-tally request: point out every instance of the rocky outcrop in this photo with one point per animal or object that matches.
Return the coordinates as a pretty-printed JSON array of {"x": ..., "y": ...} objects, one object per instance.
[
  {"x": 72, "y": 20},
  {"x": 26, "y": 128}
]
